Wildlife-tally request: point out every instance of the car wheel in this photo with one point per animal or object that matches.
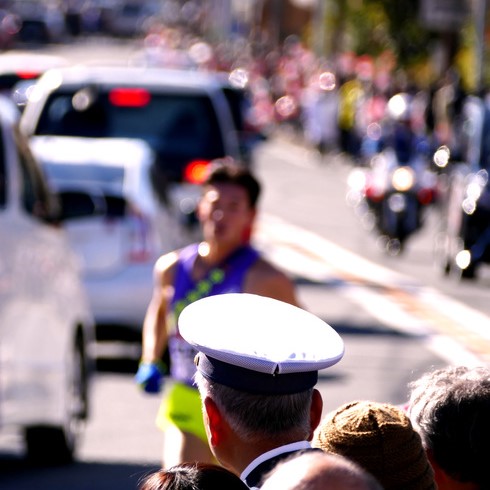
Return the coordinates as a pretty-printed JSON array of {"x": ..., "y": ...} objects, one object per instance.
[
  {"x": 78, "y": 385},
  {"x": 48, "y": 445},
  {"x": 56, "y": 445}
]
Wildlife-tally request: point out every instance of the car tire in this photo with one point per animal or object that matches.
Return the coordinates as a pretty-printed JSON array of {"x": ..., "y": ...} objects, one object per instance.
[
  {"x": 53, "y": 445},
  {"x": 78, "y": 406},
  {"x": 48, "y": 445}
]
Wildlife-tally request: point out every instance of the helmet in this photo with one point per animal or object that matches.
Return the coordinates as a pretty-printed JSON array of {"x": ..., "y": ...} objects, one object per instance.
[{"x": 400, "y": 107}]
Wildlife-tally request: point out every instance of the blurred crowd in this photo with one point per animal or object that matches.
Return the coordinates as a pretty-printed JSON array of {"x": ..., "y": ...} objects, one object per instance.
[
  {"x": 439, "y": 439},
  {"x": 330, "y": 103}
]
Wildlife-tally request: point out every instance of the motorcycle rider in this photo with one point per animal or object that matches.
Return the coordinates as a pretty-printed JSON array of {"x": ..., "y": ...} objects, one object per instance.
[
  {"x": 405, "y": 133},
  {"x": 399, "y": 180}
]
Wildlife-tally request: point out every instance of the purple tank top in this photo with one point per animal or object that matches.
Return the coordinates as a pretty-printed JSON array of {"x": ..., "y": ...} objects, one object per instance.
[{"x": 227, "y": 277}]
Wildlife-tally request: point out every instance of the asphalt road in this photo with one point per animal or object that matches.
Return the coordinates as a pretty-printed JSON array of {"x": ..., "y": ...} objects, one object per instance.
[
  {"x": 397, "y": 316},
  {"x": 121, "y": 444}
]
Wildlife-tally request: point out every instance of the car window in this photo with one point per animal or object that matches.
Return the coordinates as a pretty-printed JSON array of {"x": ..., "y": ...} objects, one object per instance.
[
  {"x": 95, "y": 175},
  {"x": 180, "y": 126},
  {"x": 238, "y": 103},
  {"x": 36, "y": 198}
]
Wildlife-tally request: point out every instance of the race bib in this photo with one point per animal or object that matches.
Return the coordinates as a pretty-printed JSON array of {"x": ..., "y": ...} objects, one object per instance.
[{"x": 182, "y": 357}]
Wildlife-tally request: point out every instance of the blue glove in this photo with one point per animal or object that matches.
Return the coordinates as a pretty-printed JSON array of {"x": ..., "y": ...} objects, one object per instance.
[{"x": 150, "y": 376}]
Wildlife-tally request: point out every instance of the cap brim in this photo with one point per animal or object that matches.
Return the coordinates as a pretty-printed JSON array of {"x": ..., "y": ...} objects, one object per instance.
[{"x": 260, "y": 334}]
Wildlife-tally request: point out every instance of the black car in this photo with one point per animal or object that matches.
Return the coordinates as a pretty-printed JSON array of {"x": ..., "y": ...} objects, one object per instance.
[{"x": 464, "y": 244}]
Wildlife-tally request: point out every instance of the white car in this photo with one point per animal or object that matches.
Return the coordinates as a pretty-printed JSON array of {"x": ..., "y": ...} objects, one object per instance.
[
  {"x": 46, "y": 324},
  {"x": 134, "y": 218},
  {"x": 189, "y": 118}
]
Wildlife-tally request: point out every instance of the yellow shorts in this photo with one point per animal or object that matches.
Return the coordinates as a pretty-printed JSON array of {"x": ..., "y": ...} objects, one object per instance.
[{"x": 181, "y": 407}]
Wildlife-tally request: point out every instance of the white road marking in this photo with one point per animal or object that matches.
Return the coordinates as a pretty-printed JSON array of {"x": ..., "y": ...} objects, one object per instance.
[
  {"x": 387, "y": 311},
  {"x": 451, "y": 329}
]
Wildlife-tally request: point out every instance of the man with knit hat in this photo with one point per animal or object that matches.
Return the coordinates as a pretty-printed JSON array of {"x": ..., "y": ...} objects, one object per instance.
[
  {"x": 381, "y": 439},
  {"x": 257, "y": 365}
]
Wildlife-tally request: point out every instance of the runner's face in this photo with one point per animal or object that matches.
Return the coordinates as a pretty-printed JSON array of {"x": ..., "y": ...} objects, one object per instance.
[{"x": 225, "y": 214}]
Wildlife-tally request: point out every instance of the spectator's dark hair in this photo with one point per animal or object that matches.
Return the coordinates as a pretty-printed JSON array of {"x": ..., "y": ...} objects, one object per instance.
[
  {"x": 193, "y": 476},
  {"x": 223, "y": 172},
  {"x": 451, "y": 410}
]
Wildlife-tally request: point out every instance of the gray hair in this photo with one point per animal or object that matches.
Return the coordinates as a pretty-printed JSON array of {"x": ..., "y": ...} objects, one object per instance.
[
  {"x": 450, "y": 409},
  {"x": 255, "y": 416}
]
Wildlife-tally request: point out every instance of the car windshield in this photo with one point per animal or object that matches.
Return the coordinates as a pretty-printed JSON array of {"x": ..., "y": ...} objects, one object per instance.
[
  {"x": 180, "y": 128},
  {"x": 103, "y": 176}
]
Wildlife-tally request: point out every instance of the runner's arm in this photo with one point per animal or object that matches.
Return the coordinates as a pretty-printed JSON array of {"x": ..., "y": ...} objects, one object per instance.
[{"x": 155, "y": 333}]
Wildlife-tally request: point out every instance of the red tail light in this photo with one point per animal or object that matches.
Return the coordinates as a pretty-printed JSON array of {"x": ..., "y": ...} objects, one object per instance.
[
  {"x": 27, "y": 75},
  {"x": 129, "y": 97},
  {"x": 196, "y": 171},
  {"x": 374, "y": 194},
  {"x": 425, "y": 196}
]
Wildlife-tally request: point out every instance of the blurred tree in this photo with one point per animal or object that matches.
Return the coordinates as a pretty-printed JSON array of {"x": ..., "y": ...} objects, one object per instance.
[
  {"x": 374, "y": 26},
  {"x": 412, "y": 40},
  {"x": 424, "y": 45}
]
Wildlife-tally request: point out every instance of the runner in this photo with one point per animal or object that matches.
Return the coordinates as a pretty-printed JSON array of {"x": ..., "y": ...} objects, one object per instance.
[{"x": 224, "y": 262}]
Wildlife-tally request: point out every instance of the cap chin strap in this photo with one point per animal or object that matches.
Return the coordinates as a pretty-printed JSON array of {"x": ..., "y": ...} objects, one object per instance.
[{"x": 254, "y": 382}]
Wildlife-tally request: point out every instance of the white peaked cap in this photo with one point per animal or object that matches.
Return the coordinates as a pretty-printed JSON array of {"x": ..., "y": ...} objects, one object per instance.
[{"x": 258, "y": 344}]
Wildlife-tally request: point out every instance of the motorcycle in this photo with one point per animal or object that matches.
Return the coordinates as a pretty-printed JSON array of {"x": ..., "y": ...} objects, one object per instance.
[
  {"x": 391, "y": 197},
  {"x": 392, "y": 193},
  {"x": 462, "y": 245}
]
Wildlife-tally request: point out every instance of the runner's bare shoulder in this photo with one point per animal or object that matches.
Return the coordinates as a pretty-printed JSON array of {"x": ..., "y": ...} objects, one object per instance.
[
  {"x": 165, "y": 267},
  {"x": 267, "y": 280}
]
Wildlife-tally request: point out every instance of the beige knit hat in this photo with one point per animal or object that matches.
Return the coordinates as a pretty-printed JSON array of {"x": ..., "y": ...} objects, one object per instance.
[{"x": 380, "y": 438}]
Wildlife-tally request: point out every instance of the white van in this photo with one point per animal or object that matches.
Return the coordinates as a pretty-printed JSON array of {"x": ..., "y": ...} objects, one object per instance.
[
  {"x": 45, "y": 320},
  {"x": 133, "y": 221}
]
